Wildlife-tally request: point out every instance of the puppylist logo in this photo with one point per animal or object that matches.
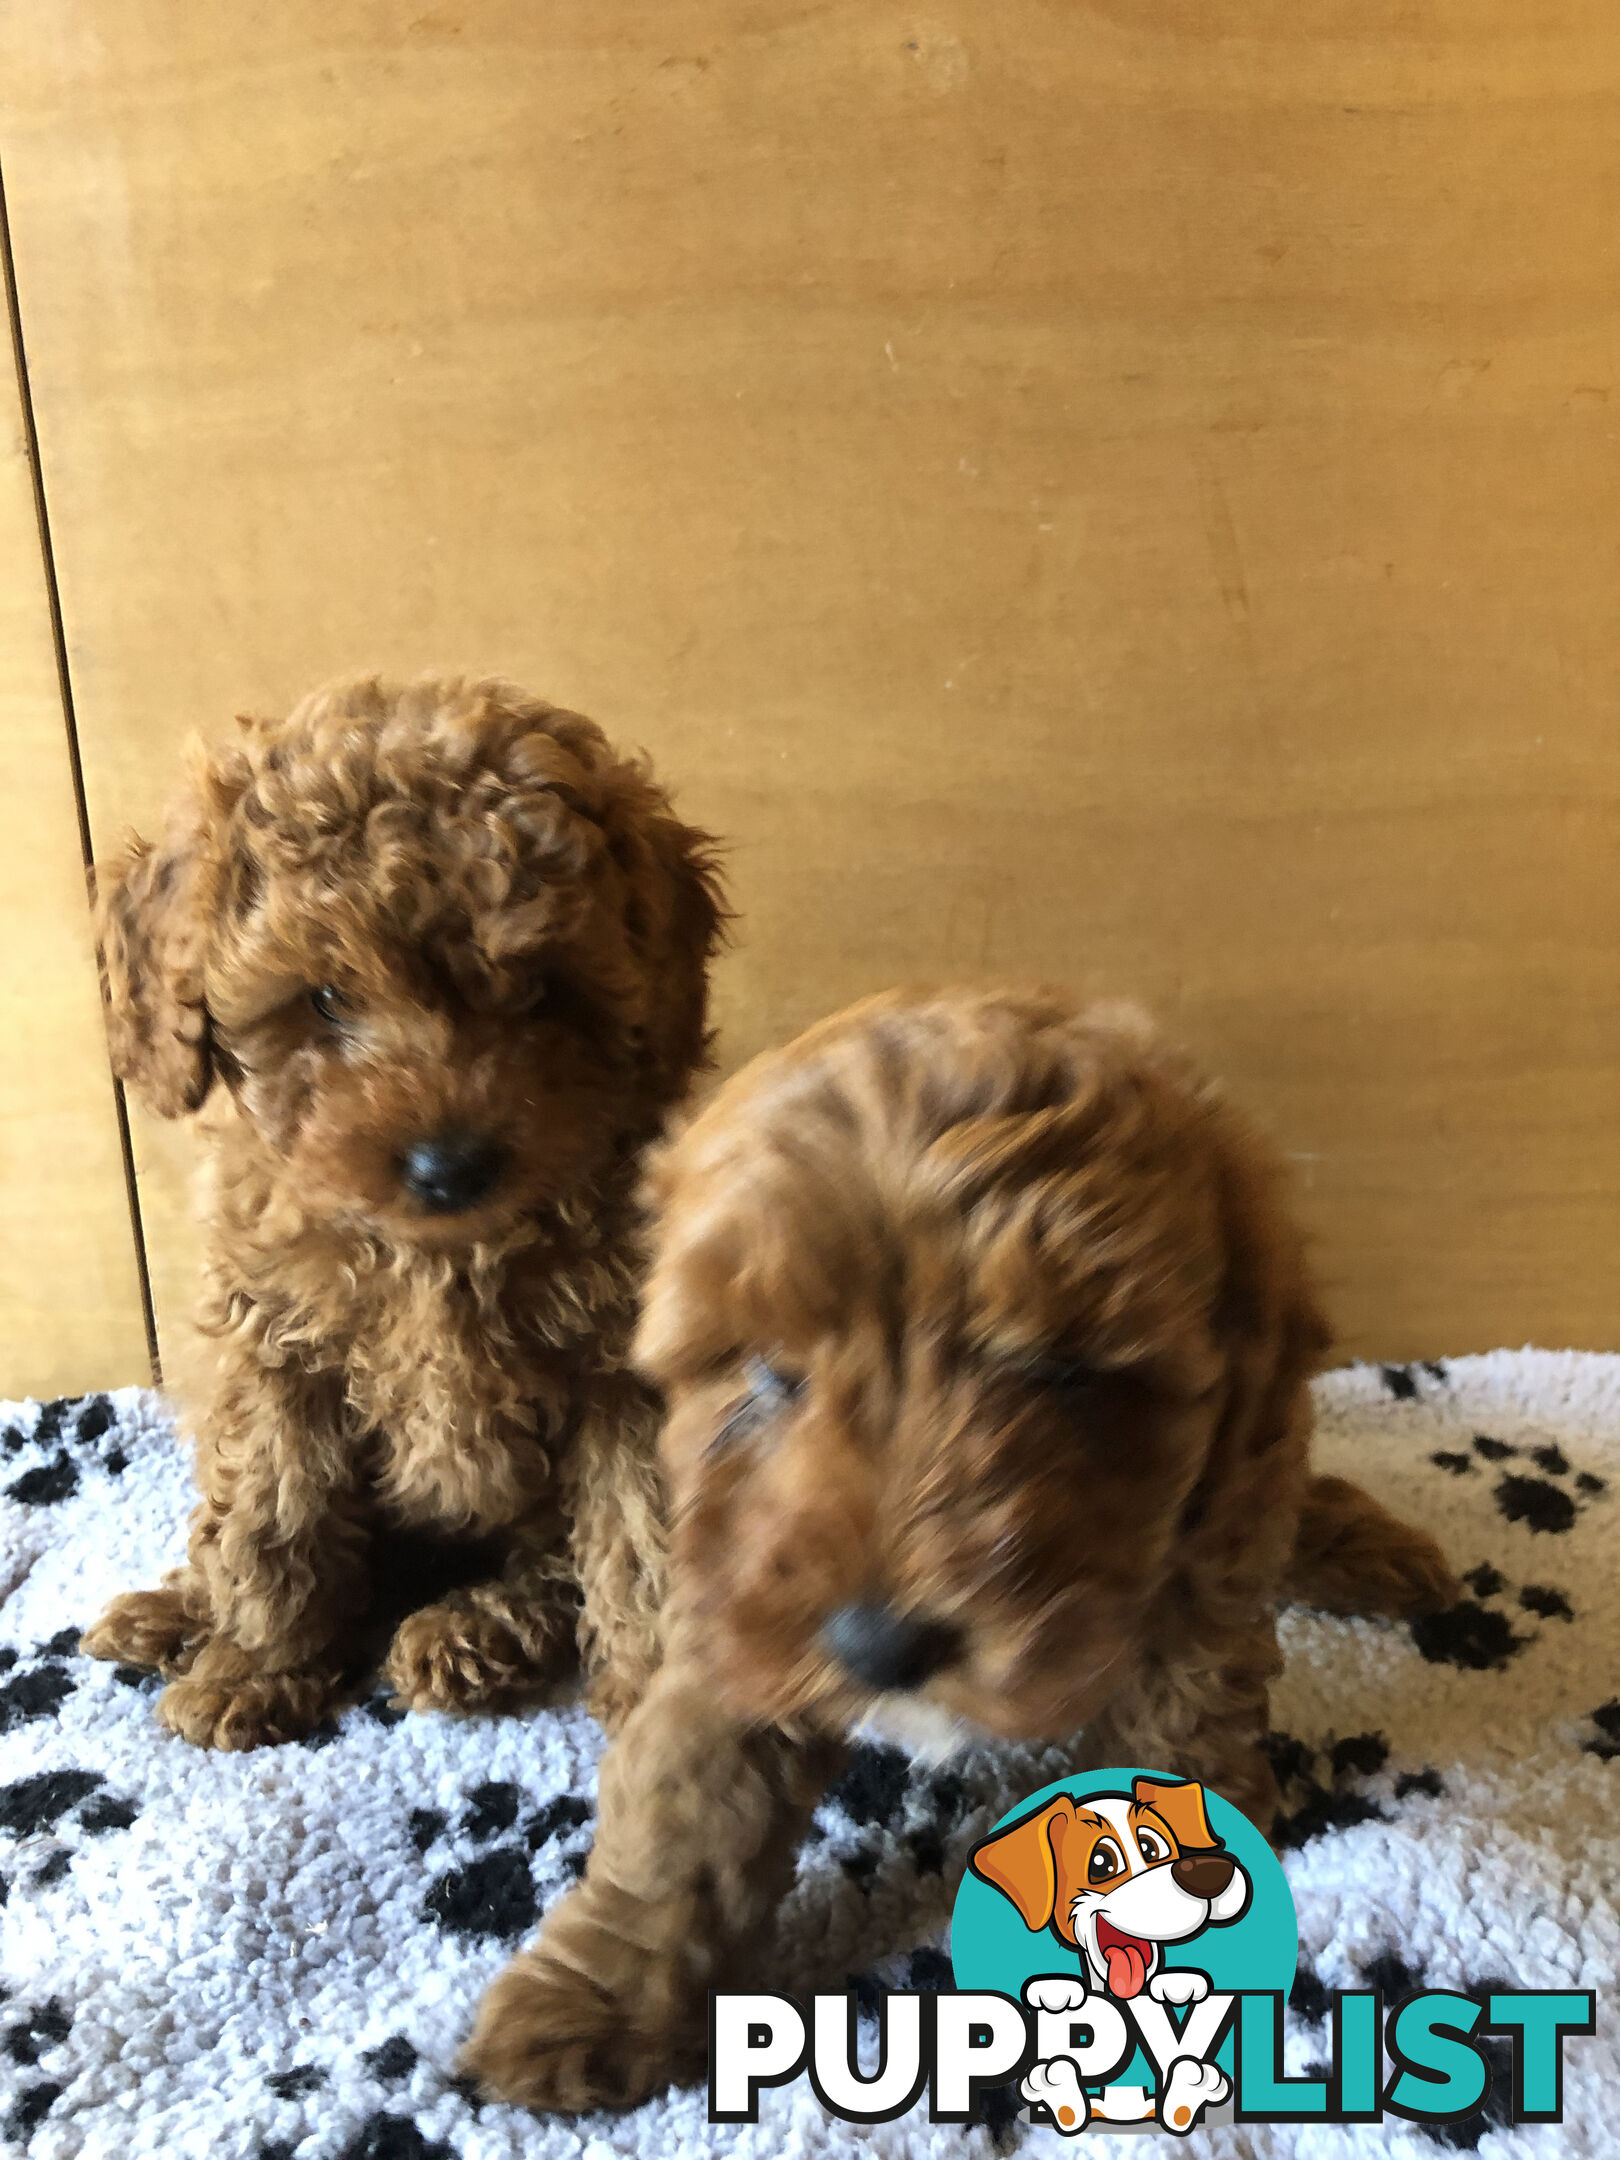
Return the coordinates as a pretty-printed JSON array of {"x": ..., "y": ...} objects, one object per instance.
[{"x": 1123, "y": 1944}]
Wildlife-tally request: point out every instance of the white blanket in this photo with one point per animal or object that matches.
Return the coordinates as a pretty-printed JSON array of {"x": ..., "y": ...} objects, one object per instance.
[{"x": 248, "y": 1957}]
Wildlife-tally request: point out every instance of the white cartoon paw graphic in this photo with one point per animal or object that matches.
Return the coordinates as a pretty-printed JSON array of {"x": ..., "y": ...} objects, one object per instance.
[
  {"x": 1055, "y": 2085},
  {"x": 1179, "y": 1985},
  {"x": 1188, "y": 2090},
  {"x": 1056, "y": 1992}
]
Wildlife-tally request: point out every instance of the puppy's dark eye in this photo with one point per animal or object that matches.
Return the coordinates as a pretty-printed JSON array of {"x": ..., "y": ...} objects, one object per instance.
[
  {"x": 1106, "y": 1861},
  {"x": 1059, "y": 1375},
  {"x": 1152, "y": 1847},
  {"x": 770, "y": 1392},
  {"x": 333, "y": 1007}
]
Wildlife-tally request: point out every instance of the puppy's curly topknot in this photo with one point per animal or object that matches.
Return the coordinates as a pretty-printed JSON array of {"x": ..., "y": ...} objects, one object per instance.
[
  {"x": 431, "y": 962},
  {"x": 985, "y": 1336}
]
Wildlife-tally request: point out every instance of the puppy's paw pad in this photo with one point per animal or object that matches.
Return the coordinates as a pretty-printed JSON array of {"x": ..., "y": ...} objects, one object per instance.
[
  {"x": 262, "y": 1711},
  {"x": 1056, "y": 2086},
  {"x": 145, "y": 1627}
]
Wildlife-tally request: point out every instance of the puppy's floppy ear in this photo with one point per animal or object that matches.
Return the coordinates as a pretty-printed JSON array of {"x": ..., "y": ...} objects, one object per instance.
[
  {"x": 1182, "y": 1807},
  {"x": 153, "y": 907},
  {"x": 1022, "y": 1862},
  {"x": 696, "y": 923},
  {"x": 678, "y": 915}
]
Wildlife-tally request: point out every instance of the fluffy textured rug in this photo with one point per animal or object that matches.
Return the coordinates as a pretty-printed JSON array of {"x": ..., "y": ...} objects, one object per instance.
[{"x": 277, "y": 1953}]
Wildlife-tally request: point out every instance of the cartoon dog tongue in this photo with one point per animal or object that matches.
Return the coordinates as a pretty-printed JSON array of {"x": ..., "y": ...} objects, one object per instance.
[{"x": 1125, "y": 1957}]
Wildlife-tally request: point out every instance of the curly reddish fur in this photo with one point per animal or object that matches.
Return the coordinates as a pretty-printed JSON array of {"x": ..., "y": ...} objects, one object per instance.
[
  {"x": 1041, "y": 1332},
  {"x": 509, "y": 932}
]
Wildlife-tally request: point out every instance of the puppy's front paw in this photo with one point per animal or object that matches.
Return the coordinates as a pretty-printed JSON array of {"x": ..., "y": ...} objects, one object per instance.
[
  {"x": 1056, "y": 2085},
  {"x": 1179, "y": 1984},
  {"x": 1056, "y": 1992},
  {"x": 1188, "y": 2090},
  {"x": 552, "y": 2038},
  {"x": 604, "y": 2010},
  {"x": 250, "y": 1710},
  {"x": 457, "y": 1656},
  {"x": 154, "y": 1628}
]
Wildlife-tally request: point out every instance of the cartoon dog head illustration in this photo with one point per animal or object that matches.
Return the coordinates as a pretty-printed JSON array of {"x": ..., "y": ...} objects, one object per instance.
[{"x": 1117, "y": 1875}]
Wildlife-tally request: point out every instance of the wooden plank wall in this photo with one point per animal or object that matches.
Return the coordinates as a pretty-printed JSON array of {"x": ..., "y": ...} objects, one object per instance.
[
  {"x": 70, "y": 1301},
  {"x": 1098, "y": 491}
]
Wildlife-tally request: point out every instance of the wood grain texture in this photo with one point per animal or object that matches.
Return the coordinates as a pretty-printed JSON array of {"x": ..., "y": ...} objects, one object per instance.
[
  {"x": 1068, "y": 491},
  {"x": 70, "y": 1303}
]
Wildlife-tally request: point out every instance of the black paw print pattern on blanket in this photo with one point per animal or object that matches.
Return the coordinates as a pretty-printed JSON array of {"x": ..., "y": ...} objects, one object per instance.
[
  {"x": 278, "y": 1954},
  {"x": 493, "y": 1893}
]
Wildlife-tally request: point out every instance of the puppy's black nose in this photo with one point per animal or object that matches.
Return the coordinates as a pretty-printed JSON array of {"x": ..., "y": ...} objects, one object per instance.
[
  {"x": 451, "y": 1171},
  {"x": 888, "y": 1649},
  {"x": 1203, "y": 1874}
]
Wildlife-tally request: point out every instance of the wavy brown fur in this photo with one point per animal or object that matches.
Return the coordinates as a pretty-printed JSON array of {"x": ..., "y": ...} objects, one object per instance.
[
  {"x": 517, "y": 928},
  {"x": 1043, "y": 1331}
]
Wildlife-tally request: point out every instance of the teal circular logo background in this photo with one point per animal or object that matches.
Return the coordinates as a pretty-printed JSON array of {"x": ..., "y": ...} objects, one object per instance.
[{"x": 992, "y": 1948}]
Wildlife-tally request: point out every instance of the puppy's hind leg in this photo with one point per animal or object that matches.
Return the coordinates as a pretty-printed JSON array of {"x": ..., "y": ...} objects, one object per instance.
[
  {"x": 161, "y": 1630},
  {"x": 1205, "y": 1719},
  {"x": 1352, "y": 1556}
]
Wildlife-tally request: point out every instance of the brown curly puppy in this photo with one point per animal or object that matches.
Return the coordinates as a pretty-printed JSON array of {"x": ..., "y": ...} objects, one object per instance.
[
  {"x": 440, "y": 956},
  {"x": 985, "y": 1341}
]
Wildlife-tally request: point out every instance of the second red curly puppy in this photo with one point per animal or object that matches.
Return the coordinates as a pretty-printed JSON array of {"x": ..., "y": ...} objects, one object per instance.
[
  {"x": 985, "y": 1339},
  {"x": 436, "y": 958}
]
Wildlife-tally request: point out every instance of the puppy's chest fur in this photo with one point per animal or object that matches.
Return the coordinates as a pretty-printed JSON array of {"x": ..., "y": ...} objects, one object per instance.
[
  {"x": 458, "y": 1379},
  {"x": 476, "y": 1427}
]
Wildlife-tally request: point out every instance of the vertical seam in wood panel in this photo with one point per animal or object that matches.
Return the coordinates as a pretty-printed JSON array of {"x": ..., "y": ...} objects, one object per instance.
[{"x": 64, "y": 684}]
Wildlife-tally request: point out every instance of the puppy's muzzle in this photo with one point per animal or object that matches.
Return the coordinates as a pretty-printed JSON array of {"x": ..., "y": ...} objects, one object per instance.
[
  {"x": 889, "y": 1649},
  {"x": 1202, "y": 1875},
  {"x": 452, "y": 1171}
]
